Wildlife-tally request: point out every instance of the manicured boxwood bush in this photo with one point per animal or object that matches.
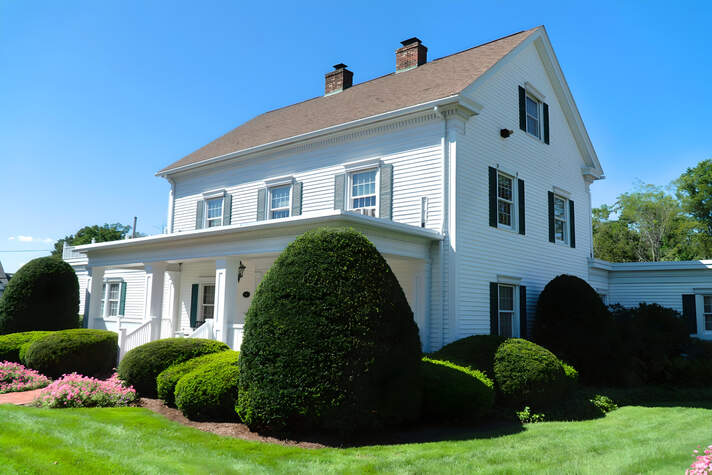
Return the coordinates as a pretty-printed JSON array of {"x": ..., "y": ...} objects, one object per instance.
[
  {"x": 167, "y": 380},
  {"x": 141, "y": 366},
  {"x": 209, "y": 392},
  {"x": 529, "y": 374},
  {"x": 572, "y": 321},
  {"x": 42, "y": 295},
  {"x": 84, "y": 351},
  {"x": 475, "y": 351},
  {"x": 454, "y": 393},
  {"x": 330, "y": 343},
  {"x": 11, "y": 343}
]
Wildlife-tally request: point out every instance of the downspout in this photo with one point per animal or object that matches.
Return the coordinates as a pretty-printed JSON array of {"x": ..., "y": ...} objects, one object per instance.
[
  {"x": 171, "y": 205},
  {"x": 443, "y": 222}
]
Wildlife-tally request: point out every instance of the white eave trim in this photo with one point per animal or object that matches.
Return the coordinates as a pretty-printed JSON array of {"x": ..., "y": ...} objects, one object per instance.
[
  {"x": 454, "y": 99},
  {"x": 312, "y": 219},
  {"x": 650, "y": 266}
]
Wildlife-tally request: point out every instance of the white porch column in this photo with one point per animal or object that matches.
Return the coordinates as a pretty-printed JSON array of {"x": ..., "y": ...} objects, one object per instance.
[
  {"x": 153, "y": 297},
  {"x": 225, "y": 295},
  {"x": 92, "y": 304},
  {"x": 174, "y": 299}
]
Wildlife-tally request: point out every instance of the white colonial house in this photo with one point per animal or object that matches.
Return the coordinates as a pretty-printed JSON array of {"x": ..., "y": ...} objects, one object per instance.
[{"x": 469, "y": 173}]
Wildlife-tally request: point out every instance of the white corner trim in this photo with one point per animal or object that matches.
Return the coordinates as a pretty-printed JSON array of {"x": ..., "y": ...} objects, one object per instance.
[
  {"x": 561, "y": 192},
  {"x": 279, "y": 180},
  {"x": 508, "y": 279},
  {"x": 531, "y": 90},
  {"x": 362, "y": 164},
  {"x": 220, "y": 193}
]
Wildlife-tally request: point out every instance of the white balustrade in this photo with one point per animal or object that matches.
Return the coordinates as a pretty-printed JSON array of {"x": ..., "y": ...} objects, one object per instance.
[{"x": 204, "y": 331}]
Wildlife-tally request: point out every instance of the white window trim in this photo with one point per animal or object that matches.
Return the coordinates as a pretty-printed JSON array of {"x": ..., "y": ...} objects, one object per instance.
[
  {"x": 534, "y": 92},
  {"x": 361, "y": 165},
  {"x": 207, "y": 195},
  {"x": 700, "y": 307},
  {"x": 222, "y": 211},
  {"x": 279, "y": 181},
  {"x": 349, "y": 191},
  {"x": 540, "y": 110},
  {"x": 290, "y": 184},
  {"x": 105, "y": 297},
  {"x": 516, "y": 331},
  {"x": 515, "y": 201},
  {"x": 201, "y": 292},
  {"x": 567, "y": 217}
]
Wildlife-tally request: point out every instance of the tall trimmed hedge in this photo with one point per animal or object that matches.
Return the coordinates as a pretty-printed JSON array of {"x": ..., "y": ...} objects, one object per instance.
[
  {"x": 330, "y": 343},
  {"x": 573, "y": 322},
  {"x": 84, "y": 351},
  {"x": 42, "y": 295},
  {"x": 141, "y": 366},
  {"x": 11, "y": 344}
]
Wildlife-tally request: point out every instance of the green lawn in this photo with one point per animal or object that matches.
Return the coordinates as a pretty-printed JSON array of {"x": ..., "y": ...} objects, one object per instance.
[{"x": 133, "y": 440}]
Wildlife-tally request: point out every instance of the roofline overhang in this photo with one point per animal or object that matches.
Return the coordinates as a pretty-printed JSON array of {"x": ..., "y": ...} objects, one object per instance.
[
  {"x": 314, "y": 219},
  {"x": 649, "y": 266},
  {"x": 456, "y": 99}
]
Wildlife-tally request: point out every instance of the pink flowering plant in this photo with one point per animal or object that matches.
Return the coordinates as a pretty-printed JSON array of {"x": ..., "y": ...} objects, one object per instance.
[
  {"x": 75, "y": 390},
  {"x": 14, "y": 377},
  {"x": 702, "y": 464}
]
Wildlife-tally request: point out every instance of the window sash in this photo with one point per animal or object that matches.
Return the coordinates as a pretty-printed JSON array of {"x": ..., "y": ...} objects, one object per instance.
[
  {"x": 111, "y": 296},
  {"x": 707, "y": 312},
  {"x": 505, "y": 200},
  {"x": 280, "y": 202},
  {"x": 560, "y": 219},
  {"x": 532, "y": 115},
  {"x": 363, "y": 190},
  {"x": 207, "y": 302},
  {"x": 506, "y": 309},
  {"x": 214, "y": 212}
]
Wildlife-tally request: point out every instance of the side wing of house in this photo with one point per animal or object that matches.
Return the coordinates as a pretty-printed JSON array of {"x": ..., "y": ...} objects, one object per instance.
[{"x": 523, "y": 203}]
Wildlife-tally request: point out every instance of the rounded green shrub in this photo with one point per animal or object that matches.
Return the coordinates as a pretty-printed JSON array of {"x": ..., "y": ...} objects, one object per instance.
[
  {"x": 529, "y": 374},
  {"x": 475, "y": 351},
  {"x": 330, "y": 343},
  {"x": 167, "y": 380},
  {"x": 572, "y": 321},
  {"x": 42, "y": 295},
  {"x": 141, "y": 366},
  {"x": 84, "y": 351},
  {"x": 209, "y": 392},
  {"x": 11, "y": 344},
  {"x": 455, "y": 393}
]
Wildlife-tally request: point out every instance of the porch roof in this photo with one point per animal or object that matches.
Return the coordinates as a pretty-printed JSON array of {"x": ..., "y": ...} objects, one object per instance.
[{"x": 261, "y": 237}]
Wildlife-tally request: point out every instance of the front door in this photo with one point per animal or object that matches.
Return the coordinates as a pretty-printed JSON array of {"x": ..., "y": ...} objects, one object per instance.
[{"x": 207, "y": 303}]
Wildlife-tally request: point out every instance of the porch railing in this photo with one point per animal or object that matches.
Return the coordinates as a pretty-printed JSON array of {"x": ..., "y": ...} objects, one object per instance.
[
  {"x": 68, "y": 252},
  {"x": 151, "y": 330},
  {"x": 204, "y": 331}
]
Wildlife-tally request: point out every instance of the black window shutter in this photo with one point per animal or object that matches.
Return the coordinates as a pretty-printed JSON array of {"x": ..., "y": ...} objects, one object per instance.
[
  {"x": 194, "y": 305},
  {"x": 199, "y": 209},
  {"x": 522, "y": 311},
  {"x": 297, "y": 198},
  {"x": 546, "y": 122},
  {"x": 572, "y": 223},
  {"x": 339, "y": 190},
  {"x": 689, "y": 312},
  {"x": 386, "y": 192},
  {"x": 520, "y": 196},
  {"x": 522, "y": 109},
  {"x": 494, "y": 309},
  {"x": 492, "y": 197},
  {"x": 227, "y": 218},
  {"x": 261, "y": 204},
  {"x": 552, "y": 237}
]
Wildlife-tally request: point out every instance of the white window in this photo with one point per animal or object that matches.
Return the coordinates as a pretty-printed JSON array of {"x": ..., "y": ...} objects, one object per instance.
[
  {"x": 506, "y": 310},
  {"x": 505, "y": 200},
  {"x": 362, "y": 192},
  {"x": 280, "y": 201},
  {"x": 214, "y": 212},
  {"x": 207, "y": 303},
  {"x": 707, "y": 312},
  {"x": 560, "y": 219},
  {"x": 532, "y": 110},
  {"x": 111, "y": 298}
]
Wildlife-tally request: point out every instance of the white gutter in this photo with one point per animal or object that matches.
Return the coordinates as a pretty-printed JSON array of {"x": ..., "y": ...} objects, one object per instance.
[
  {"x": 464, "y": 101},
  {"x": 649, "y": 266},
  {"x": 325, "y": 217}
]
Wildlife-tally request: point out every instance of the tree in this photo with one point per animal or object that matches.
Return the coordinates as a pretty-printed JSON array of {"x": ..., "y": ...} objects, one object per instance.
[
  {"x": 613, "y": 241},
  {"x": 107, "y": 232},
  {"x": 694, "y": 189}
]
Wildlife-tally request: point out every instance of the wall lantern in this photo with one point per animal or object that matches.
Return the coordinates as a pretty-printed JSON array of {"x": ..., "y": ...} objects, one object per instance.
[
  {"x": 240, "y": 271},
  {"x": 504, "y": 133}
]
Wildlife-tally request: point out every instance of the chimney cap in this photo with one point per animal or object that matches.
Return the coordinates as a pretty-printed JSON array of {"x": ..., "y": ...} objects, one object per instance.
[
  {"x": 410, "y": 41},
  {"x": 340, "y": 66}
]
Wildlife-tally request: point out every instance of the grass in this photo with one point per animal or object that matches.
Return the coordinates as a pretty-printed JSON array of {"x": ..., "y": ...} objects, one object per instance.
[{"x": 133, "y": 440}]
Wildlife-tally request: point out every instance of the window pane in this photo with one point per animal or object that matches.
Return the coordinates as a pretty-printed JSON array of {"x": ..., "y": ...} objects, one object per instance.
[
  {"x": 504, "y": 215},
  {"x": 367, "y": 202},
  {"x": 215, "y": 208},
  {"x": 280, "y": 197},
  {"x": 208, "y": 311},
  {"x": 506, "y": 297},
  {"x": 708, "y": 304},
  {"x": 114, "y": 291},
  {"x": 505, "y": 324},
  {"x": 113, "y": 308},
  {"x": 559, "y": 208},
  {"x": 363, "y": 183},
  {"x": 214, "y": 222},
  {"x": 532, "y": 108},
  {"x": 280, "y": 214},
  {"x": 559, "y": 230},
  {"x": 209, "y": 294},
  {"x": 533, "y": 126},
  {"x": 708, "y": 322},
  {"x": 504, "y": 187}
]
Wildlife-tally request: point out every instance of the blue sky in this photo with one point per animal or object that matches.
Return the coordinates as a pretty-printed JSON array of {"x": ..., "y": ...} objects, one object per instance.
[{"x": 95, "y": 97}]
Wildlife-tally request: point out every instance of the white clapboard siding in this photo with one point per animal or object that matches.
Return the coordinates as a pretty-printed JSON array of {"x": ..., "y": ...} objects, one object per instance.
[
  {"x": 484, "y": 252},
  {"x": 414, "y": 151},
  {"x": 664, "y": 287}
]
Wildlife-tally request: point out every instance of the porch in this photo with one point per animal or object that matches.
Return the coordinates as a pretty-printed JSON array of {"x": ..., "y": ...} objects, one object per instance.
[{"x": 200, "y": 284}]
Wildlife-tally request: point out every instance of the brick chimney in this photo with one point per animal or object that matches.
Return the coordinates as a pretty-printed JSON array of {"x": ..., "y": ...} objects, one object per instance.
[
  {"x": 411, "y": 55},
  {"x": 338, "y": 79}
]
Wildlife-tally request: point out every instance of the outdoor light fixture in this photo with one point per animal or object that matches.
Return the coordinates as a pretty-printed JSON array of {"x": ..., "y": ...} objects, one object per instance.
[
  {"x": 240, "y": 271},
  {"x": 504, "y": 133}
]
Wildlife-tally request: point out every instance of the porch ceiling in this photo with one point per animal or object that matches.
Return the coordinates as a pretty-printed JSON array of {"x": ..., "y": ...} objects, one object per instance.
[{"x": 258, "y": 238}]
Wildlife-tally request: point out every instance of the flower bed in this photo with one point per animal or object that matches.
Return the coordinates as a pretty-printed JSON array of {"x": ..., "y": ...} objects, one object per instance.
[
  {"x": 14, "y": 377},
  {"x": 75, "y": 390},
  {"x": 702, "y": 463}
]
